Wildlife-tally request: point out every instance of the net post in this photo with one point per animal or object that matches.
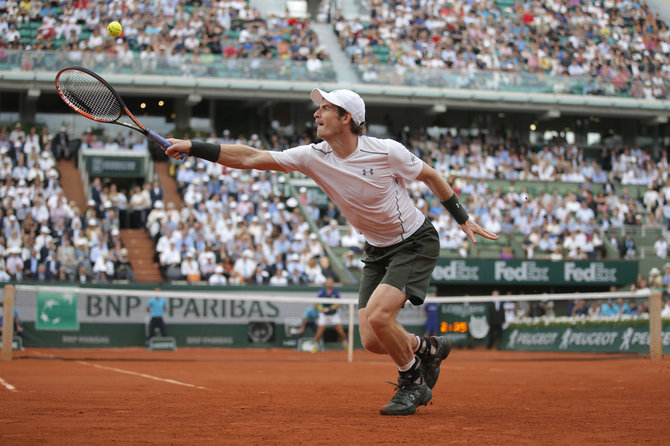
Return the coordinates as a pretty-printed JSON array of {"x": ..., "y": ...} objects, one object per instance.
[
  {"x": 8, "y": 323},
  {"x": 655, "y": 325},
  {"x": 350, "y": 344}
]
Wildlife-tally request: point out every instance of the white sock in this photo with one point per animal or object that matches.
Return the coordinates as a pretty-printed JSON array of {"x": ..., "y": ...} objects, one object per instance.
[
  {"x": 407, "y": 366},
  {"x": 418, "y": 343}
]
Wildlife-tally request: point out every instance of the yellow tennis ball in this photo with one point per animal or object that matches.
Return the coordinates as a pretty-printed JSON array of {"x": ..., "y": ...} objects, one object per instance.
[{"x": 114, "y": 29}]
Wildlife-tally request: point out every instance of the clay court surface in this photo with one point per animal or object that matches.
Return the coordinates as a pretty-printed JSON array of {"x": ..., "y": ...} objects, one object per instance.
[{"x": 235, "y": 396}]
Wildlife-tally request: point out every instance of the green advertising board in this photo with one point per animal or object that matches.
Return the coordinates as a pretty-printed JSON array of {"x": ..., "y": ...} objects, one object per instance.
[
  {"x": 56, "y": 311},
  {"x": 602, "y": 338},
  {"x": 86, "y": 319},
  {"x": 534, "y": 272},
  {"x": 127, "y": 165}
]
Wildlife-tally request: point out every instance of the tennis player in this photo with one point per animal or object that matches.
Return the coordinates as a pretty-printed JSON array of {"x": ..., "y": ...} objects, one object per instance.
[{"x": 367, "y": 178}]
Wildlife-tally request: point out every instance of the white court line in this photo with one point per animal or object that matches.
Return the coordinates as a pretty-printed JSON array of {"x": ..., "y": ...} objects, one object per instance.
[
  {"x": 143, "y": 375},
  {"x": 9, "y": 387}
]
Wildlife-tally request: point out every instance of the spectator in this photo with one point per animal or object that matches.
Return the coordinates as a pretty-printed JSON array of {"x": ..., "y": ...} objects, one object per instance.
[
  {"x": 123, "y": 267},
  {"x": 96, "y": 194},
  {"x": 665, "y": 312},
  {"x": 245, "y": 265},
  {"x": 14, "y": 264},
  {"x": 67, "y": 257},
  {"x": 103, "y": 267},
  {"x": 138, "y": 204},
  {"x": 60, "y": 145},
  {"x": 218, "y": 278},
  {"x": 352, "y": 261},
  {"x": 156, "y": 192},
  {"x": 32, "y": 264},
  {"x": 661, "y": 247},
  {"x": 260, "y": 276},
  {"x": 4, "y": 276},
  {"x": 279, "y": 278},
  {"x": 666, "y": 275},
  {"x": 18, "y": 132},
  {"x": 627, "y": 247},
  {"x": 315, "y": 246},
  {"x": 577, "y": 307},
  {"x": 327, "y": 270},
  {"x": 507, "y": 253},
  {"x": 607, "y": 309},
  {"x": 331, "y": 234},
  {"x": 297, "y": 277},
  {"x": 314, "y": 273},
  {"x": 190, "y": 269},
  {"x": 622, "y": 308}
]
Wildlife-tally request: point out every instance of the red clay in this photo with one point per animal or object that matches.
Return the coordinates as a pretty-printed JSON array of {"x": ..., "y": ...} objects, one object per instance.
[{"x": 124, "y": 396}]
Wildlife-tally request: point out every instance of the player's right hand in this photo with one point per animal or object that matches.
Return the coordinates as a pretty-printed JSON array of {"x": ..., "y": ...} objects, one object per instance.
[
  {"x": 470, "y": 227},
  {"x": 178, "y": 147}
]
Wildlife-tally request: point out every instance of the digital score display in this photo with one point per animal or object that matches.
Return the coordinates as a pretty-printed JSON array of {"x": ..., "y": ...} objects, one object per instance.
[{"x": 454, "y": 327}]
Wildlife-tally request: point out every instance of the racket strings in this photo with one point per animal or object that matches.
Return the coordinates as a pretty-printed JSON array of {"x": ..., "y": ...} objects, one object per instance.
[{"x": 89, "y": 95}]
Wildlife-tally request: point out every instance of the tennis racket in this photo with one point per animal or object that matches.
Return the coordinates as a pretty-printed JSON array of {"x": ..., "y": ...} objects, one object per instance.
[{"x": 91, "y": 96}]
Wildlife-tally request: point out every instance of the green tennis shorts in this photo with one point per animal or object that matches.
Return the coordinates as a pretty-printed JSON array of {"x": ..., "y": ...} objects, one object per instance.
[{"x": 407, "y": 265}]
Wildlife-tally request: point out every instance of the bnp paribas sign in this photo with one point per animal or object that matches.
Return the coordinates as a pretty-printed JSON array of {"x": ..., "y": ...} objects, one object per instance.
[{"x": 535, "y": 272}]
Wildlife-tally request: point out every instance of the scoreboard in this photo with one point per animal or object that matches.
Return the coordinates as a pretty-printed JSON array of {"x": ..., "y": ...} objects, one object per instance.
[{"x": 464, "y": 323}]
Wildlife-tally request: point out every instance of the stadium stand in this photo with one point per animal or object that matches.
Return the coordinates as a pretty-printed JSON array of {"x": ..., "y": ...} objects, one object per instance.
[
  {"x": 552, "y": 200},
  {"x": 257, "y": 211},
  {"x": 613, "y": 48},
  {"x": 188, "y": 41}
]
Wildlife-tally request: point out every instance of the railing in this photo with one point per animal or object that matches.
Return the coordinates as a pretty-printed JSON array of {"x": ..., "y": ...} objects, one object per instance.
[
  {"x": 218, "y": 66},
  {"x": 523, "y": 82},
  {"x": 186, "y": 65}
]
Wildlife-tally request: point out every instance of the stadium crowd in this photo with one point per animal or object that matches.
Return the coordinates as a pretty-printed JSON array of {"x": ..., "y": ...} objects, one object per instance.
[
  {"x": 257, "y": 207},
  {"x": 554, "y": 225},
  {"x": 615, "y": 47},
  {"x": 240, "y": 227},
  {"x": 165, "y": 37},
  {"x": 44, "y": 235},
  {"x": 604, "y": 47},
  {"x": 246, "y": 226}
]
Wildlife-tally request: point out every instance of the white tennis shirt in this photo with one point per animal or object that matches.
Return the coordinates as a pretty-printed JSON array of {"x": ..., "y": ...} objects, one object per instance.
[{"x": 369, "y": 186}]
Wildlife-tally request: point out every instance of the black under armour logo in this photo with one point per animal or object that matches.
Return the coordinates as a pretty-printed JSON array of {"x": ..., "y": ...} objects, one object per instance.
[{"x": 370, "y": 171}]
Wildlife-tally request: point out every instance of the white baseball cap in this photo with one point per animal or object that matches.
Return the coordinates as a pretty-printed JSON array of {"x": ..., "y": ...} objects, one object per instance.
[{"x": 346, "y": 99}]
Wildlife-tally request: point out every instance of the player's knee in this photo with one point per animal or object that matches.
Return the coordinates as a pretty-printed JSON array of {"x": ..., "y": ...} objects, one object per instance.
[{"x": 379, "y": 320}]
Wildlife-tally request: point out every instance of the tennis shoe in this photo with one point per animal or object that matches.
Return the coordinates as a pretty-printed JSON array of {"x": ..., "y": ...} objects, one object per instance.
[
  {"x": 430, "y": 362},
  {"x": 409, "y": 395}
]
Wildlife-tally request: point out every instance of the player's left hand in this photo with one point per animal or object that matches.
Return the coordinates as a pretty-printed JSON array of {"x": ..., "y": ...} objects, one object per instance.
[{"x": 471, "y": 227}]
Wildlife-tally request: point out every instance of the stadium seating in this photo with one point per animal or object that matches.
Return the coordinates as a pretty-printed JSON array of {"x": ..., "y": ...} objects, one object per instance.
[
  {"x": 514, "y": 40},
  {"x": 632, "y": 171}
]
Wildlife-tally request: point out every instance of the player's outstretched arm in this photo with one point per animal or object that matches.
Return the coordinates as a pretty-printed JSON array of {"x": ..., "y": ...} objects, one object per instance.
[{"x": 237, "y": 156}]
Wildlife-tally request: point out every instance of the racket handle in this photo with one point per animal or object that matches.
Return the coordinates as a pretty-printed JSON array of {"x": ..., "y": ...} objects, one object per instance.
[{"x": 164, "y": 143}]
